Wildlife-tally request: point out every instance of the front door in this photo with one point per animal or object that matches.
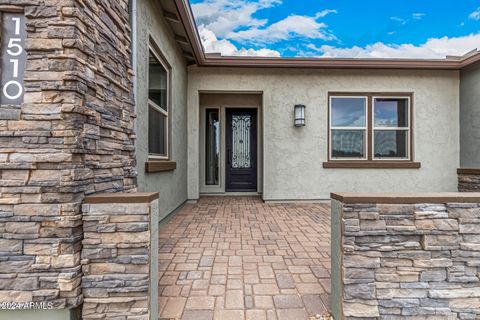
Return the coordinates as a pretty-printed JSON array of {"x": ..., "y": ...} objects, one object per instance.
[{"x": 241, "y": 150}]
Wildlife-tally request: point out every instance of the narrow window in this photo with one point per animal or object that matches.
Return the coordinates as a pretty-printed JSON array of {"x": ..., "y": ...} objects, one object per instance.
[
  {"x": 391, "y": 128},
  {"x": 212, "y": 147},
  {"x": 158, "y": 108},
  {"x": 348, "y": 127}
]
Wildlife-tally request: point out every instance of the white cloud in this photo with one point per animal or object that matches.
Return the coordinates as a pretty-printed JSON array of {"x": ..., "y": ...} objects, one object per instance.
[
  {"x": 324, "y": 13},
  {"x": 475, "y": 15},
  {"x": 418, "y": 15},
  {"x": 435, "y": 48},
  {"x": 224, "y": 16},
  {"x": 222, "y": 21},
  {"x": 212, "y": 44},
  {"x": 399, "y": 20},
  {"x": 293, "y": 26},
  {"x": 404, "y": 21}
]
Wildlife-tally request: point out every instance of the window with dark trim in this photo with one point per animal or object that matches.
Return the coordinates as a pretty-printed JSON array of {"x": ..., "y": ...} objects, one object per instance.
[
  {"x": 158, "y": 107},
  {"x": 373, "y": 128},
  {"x": 391, "y": 128},
  {"x": 212, "y": 147}
]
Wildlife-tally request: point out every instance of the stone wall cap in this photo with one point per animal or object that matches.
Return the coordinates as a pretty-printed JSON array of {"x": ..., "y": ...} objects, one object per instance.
[
  {"x": 468, "y": 170},
  {"x": 407, "y": 198},
  {"x": 122, "y": 197}
]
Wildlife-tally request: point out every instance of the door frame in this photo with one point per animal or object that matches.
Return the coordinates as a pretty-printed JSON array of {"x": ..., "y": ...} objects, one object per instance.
[{"x": 222, "y": 106}]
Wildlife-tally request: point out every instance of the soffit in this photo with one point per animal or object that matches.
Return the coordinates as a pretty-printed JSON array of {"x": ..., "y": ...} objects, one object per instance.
[{"x": 172, "y": 17}]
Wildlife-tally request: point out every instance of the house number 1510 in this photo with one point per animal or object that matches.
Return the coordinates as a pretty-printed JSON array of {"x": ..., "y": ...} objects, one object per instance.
[{"x": 13, "y": 58}]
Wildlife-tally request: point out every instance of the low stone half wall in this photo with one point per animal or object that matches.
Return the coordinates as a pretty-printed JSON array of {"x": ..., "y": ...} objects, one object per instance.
[
  {"x": 119, "y": 256},
  {"x": 468, "y": 180},
  {"x": 406, "y": 256}
]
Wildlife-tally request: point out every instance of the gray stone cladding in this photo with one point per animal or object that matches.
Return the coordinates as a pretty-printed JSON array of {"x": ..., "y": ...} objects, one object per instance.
[
  {"x": 116, "y": 259},
  {"x": 469, "y": 182},
  {"x": 73, "y": 136},
  {"x": 408, "y": 261}
]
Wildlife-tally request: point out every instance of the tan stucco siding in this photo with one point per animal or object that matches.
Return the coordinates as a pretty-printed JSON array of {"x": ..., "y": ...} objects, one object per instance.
[
  {"x": 470, "y": 117},
  {"x": 171, "y": 185},
  {"x": 293, "y": 156}
]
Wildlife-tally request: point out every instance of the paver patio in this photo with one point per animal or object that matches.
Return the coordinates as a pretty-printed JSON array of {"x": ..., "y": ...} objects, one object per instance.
[{"x": 239, "y": 258}]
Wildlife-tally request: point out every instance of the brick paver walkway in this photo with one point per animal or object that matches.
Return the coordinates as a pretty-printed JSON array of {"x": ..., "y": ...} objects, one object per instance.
[{"x": 239, "y": 258}]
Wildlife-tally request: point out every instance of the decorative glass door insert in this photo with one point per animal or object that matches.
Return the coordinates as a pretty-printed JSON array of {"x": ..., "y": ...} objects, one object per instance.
[{"x": 241, "y": 156}]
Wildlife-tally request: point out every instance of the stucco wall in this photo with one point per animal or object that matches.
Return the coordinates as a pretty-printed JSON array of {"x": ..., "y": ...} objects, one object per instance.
[
  {"x": 293, "y": 156},
  {"x": 470, "y": 117},
  {"x": 172, "y": 185}
]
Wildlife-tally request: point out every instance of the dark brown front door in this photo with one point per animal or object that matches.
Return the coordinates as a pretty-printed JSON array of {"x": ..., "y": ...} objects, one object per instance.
[{"x": 241, "y": 147}]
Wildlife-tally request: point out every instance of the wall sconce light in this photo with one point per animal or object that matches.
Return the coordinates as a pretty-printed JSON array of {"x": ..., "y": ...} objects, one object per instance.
[{"x": 299, "y": 112}]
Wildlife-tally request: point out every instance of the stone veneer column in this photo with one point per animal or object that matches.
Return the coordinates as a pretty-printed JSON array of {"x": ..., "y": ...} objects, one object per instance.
[
  {"x": 73, "y": 136},
  {"x": 468, "y": 180},
  {"x": 406, "y": 256},
  {"x": 120, "y": 256}
]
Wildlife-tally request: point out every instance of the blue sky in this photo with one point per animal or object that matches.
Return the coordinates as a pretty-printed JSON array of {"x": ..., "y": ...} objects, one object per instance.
[{"x": 341, "y": 28}]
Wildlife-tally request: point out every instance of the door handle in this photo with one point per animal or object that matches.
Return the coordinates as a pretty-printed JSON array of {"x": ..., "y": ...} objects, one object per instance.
[{"x": 229, "y": 156}]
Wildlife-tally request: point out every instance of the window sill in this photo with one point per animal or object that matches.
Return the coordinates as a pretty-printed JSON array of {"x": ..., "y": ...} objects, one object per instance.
[
  {"x": 371, "y": 165},
  {"x": 160, "y": 166}
]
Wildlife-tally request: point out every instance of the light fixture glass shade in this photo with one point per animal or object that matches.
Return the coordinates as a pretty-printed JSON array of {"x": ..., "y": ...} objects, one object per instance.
[{"x": 299, "y": 113}]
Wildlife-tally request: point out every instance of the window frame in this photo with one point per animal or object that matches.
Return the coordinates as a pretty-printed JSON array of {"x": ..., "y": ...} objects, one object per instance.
[
  {"x": 408, "y": 128},
  {"x": 153, "y": 48},
  {"x": 370, "y": 161},
  {"x": 204, "y": 138},
  {"x": 331, "y": 128}
]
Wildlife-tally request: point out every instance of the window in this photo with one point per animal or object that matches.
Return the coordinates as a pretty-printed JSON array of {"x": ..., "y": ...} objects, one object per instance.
[
  {"x": 158, "y": 107},
  {"x": 391, "y": 128},
  {"x": 370, "y": 127},
  {"x": 212, "y": 147},
  {"x": 348, "y": 118}
]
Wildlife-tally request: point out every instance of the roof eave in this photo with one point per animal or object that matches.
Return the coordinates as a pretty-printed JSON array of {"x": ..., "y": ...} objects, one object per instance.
[
  {"x": 188, "y": 21},
  {"x": 333, "y": 63},
  {"x": 470, "y": 60}
]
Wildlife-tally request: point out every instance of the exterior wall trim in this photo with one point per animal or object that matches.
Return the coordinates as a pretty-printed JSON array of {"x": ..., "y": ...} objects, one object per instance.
[
  {"x": 337, "y": 63},
  {"x": 407, "y": 198},
  {"x": 468, "y": 171},
  {"x": 160, "y": 166},
  {"x": 362, "y": 164},
  {"x": 122, "y": 197}
]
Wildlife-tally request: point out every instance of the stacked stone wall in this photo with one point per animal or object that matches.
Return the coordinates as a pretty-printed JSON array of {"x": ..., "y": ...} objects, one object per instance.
[
  {"x": 73, "y": 136},
  {"x": 118, "y": 246},
  {"x": 398, "y": 261},
  {"x": 469, "y": 180}
]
